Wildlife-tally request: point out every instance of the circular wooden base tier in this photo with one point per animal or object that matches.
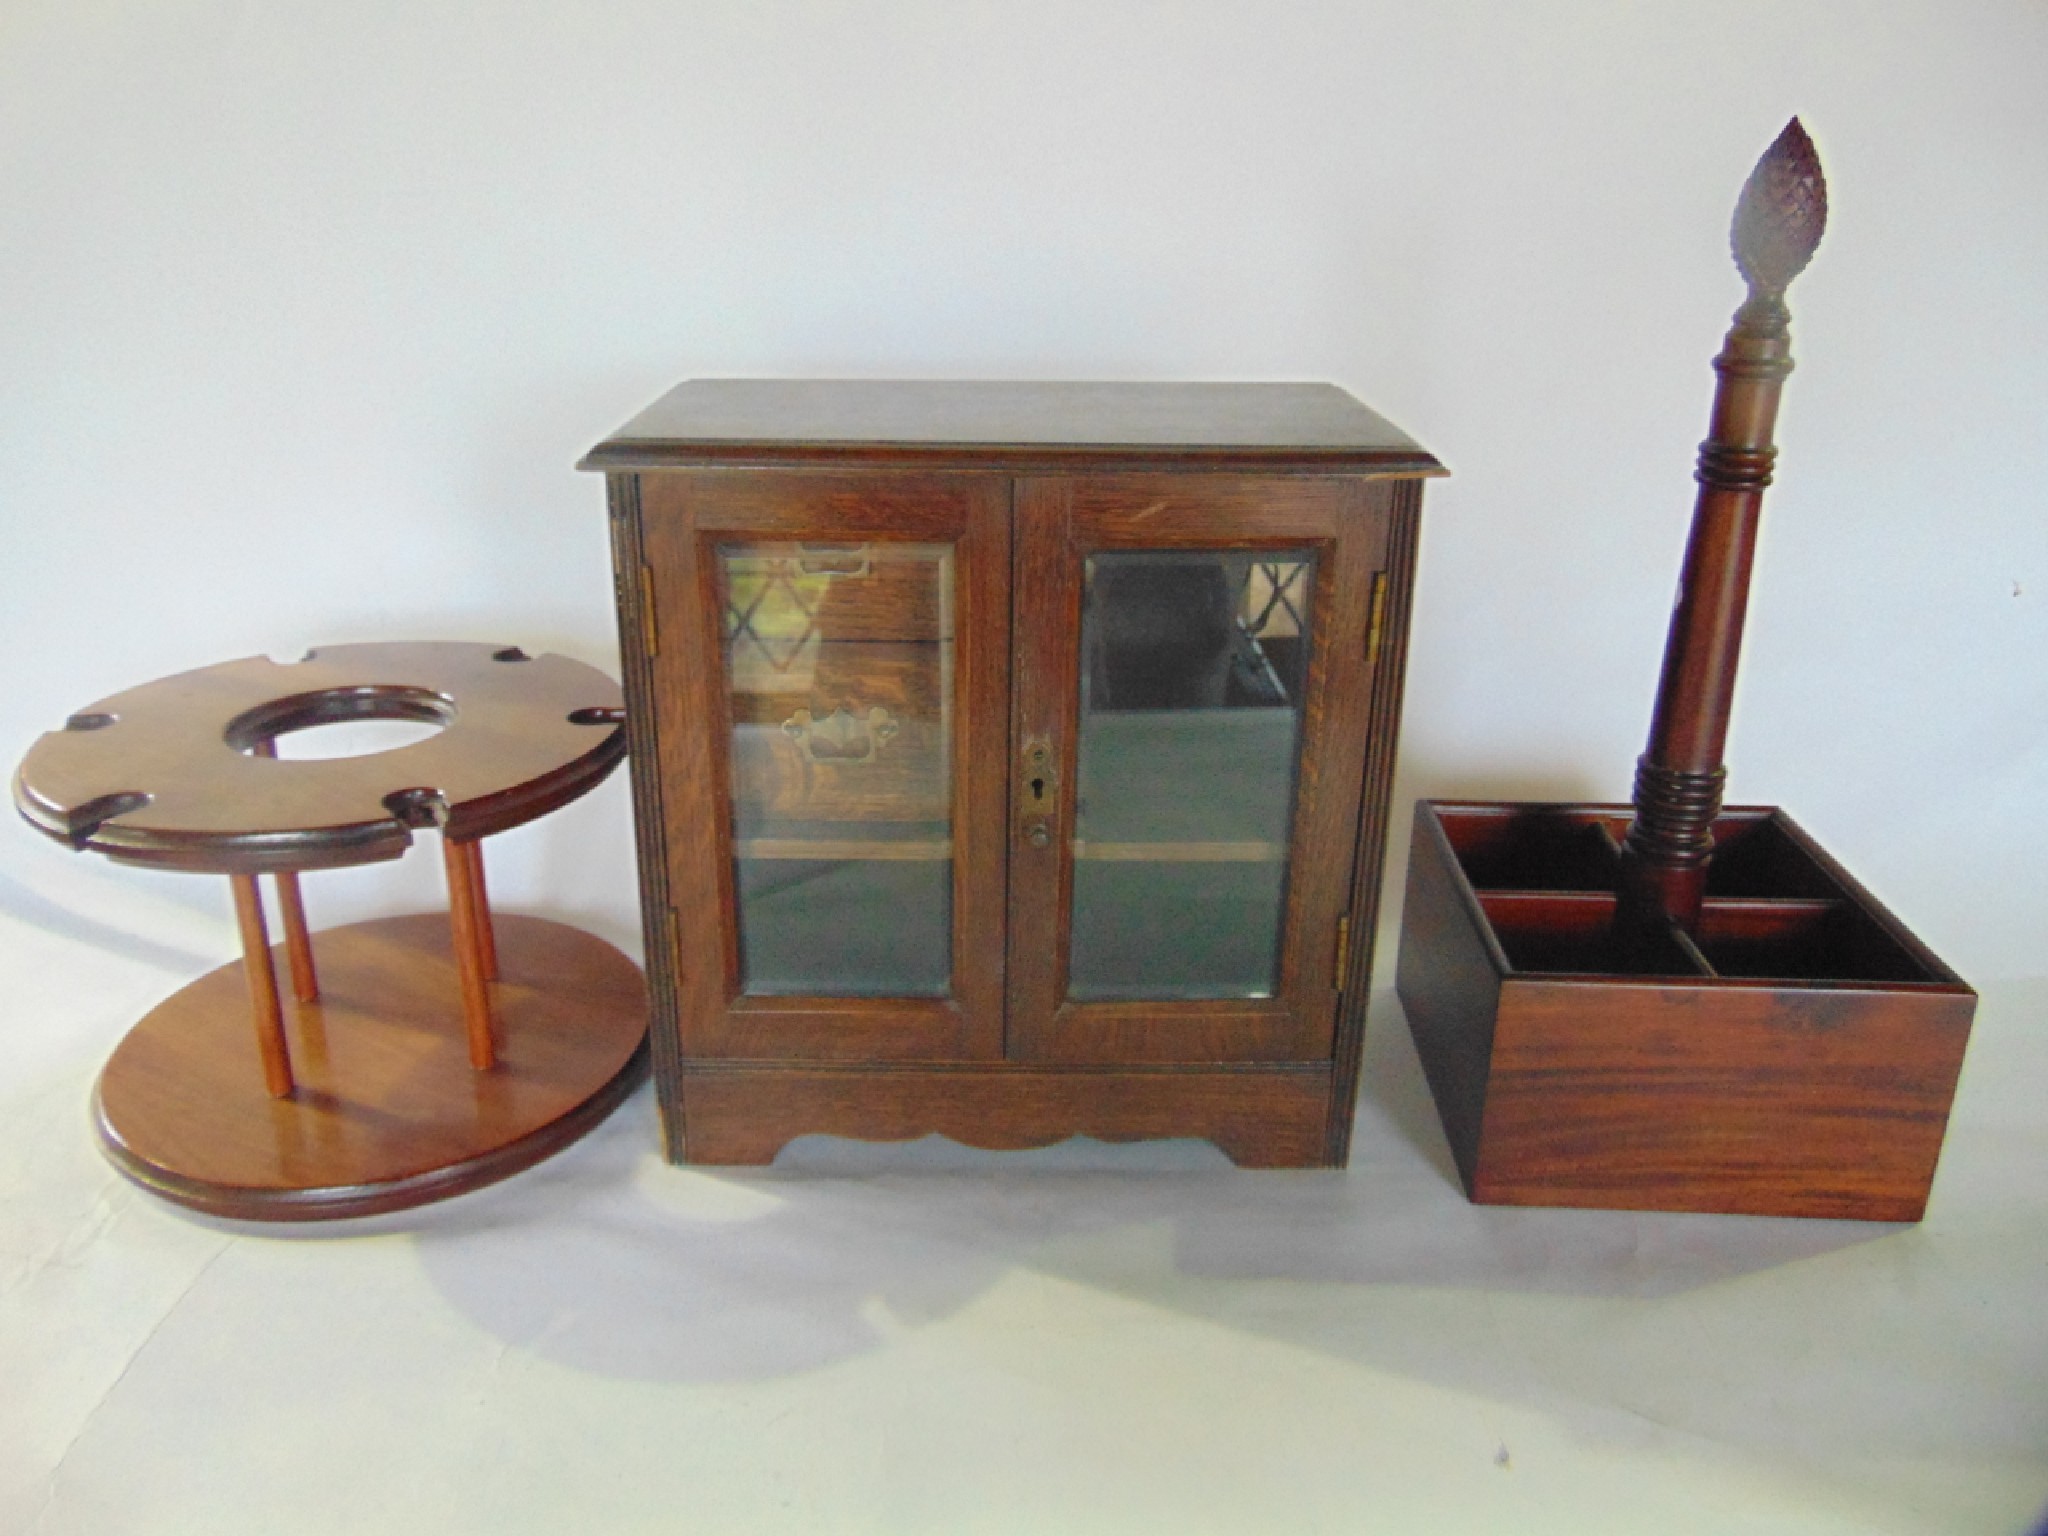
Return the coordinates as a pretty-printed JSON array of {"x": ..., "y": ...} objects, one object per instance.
[{"x": 387, "y": 1112}]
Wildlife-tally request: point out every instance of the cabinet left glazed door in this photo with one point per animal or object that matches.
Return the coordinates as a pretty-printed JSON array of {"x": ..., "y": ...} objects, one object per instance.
[
  {"x": 831, "y": 679},
  {"x": 1192, "y": 661}
]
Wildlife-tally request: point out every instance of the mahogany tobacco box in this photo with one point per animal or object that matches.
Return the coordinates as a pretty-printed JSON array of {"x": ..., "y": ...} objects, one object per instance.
[{"x": 1796, "y": 1056}]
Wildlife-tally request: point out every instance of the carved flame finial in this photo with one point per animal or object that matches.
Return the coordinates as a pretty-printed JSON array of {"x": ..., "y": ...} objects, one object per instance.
[{"x": 1781, "y": 214}]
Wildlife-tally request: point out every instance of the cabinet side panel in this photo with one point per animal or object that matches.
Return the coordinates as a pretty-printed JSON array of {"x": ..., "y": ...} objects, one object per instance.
[
  {"x": 1403, "y": 501},
  {"x": 685, "y": 693},
  {"x": 636, "y": 626}
]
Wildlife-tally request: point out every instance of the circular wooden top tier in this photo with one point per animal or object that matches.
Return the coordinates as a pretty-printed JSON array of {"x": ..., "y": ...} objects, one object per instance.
[{"x": 177, "y": 773}]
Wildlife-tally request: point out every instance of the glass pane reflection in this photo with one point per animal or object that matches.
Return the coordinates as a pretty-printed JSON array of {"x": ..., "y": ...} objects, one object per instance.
[
  {"x": 1193, "y": 669},
  {"x": 839, "y": 668}
]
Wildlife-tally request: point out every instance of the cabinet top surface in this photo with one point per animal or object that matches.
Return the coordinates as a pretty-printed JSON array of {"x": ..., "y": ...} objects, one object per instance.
[{"x": 1301, "y": 427}]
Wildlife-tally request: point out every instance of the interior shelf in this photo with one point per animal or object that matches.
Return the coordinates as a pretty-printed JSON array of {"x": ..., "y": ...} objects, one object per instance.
[
  {"x": 835, "y": 849},
  {"x": 1247, "y": 852}
]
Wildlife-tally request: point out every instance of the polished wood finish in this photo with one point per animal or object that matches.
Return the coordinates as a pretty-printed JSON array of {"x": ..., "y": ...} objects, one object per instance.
[
  {"x": 1388, "y": 661},
  {"x": 1012, "y": 428},
  {"x": 387, "y": 1111},
  {"x": 298, "y": 939},
  {"x": 1023, "y": 482},
  {"x": 1669, "y": 843},
  {"x": 261, "y": 978},
  {"x": 169, "y": 774},
  {"x": 1062, "y": 521},
  {"x": 291, "y": 908},
  {"x": 1797, "y": 1059},
  {"x": 1671, "y": 1006},
  {"x": 686, "y": 518},
  {"x": 465, "y": 924},
  {"x": 202, "y": 787},
  {"x": 1261, "y": 1119},
  {"x": 480, "y": 897}
]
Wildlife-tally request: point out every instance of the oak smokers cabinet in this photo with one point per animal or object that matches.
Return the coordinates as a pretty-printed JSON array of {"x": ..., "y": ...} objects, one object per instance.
[{"x": 1011, "y": 761}]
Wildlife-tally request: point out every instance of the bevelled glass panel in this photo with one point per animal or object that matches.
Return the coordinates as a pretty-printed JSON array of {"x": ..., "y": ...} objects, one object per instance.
[
  {"x": 839, "y": 671},
  {"x": 1193, "y": 670}
]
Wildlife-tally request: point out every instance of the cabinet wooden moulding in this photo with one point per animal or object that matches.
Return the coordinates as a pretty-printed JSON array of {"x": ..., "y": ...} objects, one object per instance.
[{"x": 1011, "y": 761}]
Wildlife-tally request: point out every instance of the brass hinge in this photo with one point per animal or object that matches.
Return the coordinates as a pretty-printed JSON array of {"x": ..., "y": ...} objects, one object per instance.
[
  {"x": 1376, "y": 623},
  {"x": 650, "y": 631},
  {"x": 1343, "y": 951}
]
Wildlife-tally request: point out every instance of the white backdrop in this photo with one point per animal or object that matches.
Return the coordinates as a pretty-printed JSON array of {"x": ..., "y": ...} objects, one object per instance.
[{"x": 306, "y": 312}]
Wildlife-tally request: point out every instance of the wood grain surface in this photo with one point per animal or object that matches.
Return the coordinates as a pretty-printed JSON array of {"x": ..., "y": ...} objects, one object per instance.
[
  {"x": 1013, "y": 427},
  {"x": 173, "y": 773},
  {"x": 1061, "y": 522},
  {"x": 689, "y": 522},
  {"x": 387, "y": 1111},
  {"x": 722, "y": 479},
  {"x": 1799, "y": 1059},
  {"x": 1261, "y": 1119}
]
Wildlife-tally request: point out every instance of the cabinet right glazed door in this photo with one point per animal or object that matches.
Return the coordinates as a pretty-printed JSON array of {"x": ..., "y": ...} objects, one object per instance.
[{"x": 1190, "y": 697}]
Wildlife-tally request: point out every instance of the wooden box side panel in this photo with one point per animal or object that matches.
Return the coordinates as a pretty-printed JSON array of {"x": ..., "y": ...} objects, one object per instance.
[
  {"x": 1769, "y": 1100},
  {"x": 1261, "y": 1119},
  {"x": 1450, "y": 987}
]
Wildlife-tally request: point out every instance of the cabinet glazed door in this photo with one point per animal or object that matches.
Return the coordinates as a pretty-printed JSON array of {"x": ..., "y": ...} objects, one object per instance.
[
  {"x": 830, "y": 680},
  {"x": 1190, "y": 707}
]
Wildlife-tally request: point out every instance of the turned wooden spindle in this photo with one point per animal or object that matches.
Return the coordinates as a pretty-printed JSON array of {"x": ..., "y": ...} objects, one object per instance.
[
  {"x": 1778, "y": 223},
  {"x": 271, "y": 1045},
  {"x": 486, "y": 935},
  {"x": 472, "y": 970},
  {"x": 291, "y": 906}
]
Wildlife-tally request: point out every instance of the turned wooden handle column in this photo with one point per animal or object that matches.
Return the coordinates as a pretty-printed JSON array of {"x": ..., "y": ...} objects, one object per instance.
[{"x": 1778, "y": 223}]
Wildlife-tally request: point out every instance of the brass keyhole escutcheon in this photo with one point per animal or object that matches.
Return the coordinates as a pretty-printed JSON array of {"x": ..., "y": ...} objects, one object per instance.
[{"x": 1037, "y": 793}]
